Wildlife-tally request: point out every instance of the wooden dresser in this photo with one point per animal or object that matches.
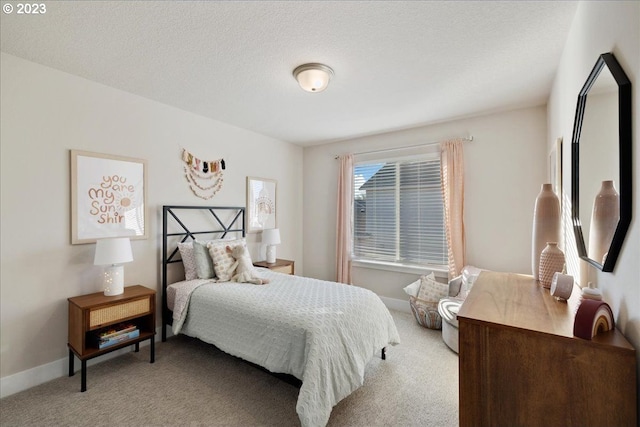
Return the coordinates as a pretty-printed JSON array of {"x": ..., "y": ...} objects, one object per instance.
[{"x": 520, "y": 364}]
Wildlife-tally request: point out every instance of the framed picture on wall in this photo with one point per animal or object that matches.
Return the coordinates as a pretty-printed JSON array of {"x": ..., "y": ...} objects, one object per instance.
[
  {"x": 261, "y": 204},
  {"x": 108, "y": 197}
]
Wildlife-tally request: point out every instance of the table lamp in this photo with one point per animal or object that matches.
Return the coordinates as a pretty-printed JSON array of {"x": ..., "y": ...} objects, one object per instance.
[
  {"x": 113, "y": 253},
  {"x": 271, "y": 238}
]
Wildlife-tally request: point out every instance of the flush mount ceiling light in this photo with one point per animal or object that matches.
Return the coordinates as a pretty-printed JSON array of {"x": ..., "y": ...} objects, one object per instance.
[{"x": 313, "y": 77}]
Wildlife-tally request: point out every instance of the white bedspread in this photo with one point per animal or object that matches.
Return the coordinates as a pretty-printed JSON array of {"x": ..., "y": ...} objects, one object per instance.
[{"x": 323, "y": 333}]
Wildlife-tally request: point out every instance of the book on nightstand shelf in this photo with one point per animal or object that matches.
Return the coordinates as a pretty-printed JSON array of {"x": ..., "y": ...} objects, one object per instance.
[
  {"x": 115, "y": 335},
  {"x": 103, "y": 343}
]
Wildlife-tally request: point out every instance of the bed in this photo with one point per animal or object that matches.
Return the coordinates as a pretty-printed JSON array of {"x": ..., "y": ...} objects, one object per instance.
[{"x": 322, "y": 333}]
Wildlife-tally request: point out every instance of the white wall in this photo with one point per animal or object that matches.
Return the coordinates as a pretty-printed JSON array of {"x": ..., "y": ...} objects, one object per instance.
[
  {"x": 505, "y": 166},
  {"x": 600, "y": 27},
  {"x": 45, "y": 113}
]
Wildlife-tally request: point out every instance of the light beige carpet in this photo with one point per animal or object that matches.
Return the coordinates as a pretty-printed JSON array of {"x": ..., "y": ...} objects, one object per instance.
[{"x": 194, "y": 384}]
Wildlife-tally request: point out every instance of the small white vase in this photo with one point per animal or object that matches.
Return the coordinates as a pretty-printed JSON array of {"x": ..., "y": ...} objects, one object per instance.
[
  {"x": 546, "y": 225},
  {"x": 551, "y": 262},
  {"x": 604, "y": 220}
]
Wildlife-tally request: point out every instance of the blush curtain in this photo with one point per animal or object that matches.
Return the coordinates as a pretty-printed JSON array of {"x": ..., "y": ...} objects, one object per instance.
[
  {"x": 452, "y": 175},
  {"x": 344, "y": 219}
]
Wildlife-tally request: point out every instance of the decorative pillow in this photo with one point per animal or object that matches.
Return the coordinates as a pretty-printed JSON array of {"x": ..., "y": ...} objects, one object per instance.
[
  {"x": 426, "y": 313},
  {"x": 204, "y": 263},
  {"x": 222, "y": 261},
  {"x": 455, "y": 286},
  {"x": 424, "y": 306},
  {"x": 413, "y": 288},
  {"x": 188, "y": 260},
  {"x": 431, "y": 290}
]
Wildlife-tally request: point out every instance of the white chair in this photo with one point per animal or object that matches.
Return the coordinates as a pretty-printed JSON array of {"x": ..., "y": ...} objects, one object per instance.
[{"x": 448, "y": 307}]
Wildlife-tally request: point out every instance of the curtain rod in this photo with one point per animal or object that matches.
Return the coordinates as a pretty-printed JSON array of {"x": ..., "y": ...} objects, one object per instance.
[{"x": 426, "y": 144}]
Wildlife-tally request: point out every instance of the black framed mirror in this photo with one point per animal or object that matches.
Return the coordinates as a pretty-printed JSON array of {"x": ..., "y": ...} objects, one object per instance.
[{"x": 601, "y": 164}]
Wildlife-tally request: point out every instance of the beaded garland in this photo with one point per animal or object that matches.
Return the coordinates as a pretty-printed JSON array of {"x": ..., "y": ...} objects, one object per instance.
[{"x": 204, "y": 177}]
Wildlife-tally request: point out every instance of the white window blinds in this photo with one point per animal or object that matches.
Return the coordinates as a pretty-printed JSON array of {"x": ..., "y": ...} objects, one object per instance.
[{"x": 398, "y": 212}]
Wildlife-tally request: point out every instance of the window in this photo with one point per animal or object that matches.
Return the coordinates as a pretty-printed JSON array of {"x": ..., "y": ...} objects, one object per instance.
[{"x": 399, "y": 213}]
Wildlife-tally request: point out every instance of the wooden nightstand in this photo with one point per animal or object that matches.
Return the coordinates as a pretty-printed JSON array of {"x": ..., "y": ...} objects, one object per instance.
[
  {"x": 281, "y": 265},
  {"x": 88, "y": 314}
]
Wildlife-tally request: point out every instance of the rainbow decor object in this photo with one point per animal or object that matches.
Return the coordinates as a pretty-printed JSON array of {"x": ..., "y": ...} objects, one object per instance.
[{"x": 592, "y": 318}]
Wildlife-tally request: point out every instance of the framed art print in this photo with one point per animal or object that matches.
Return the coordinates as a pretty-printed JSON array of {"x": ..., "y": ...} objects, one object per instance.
[
  {"x": 261, "y": 204},
  {"x": 108, "y": 197}
]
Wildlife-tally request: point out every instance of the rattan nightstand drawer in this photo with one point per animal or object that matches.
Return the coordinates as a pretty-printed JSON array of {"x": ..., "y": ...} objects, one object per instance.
[
  {"x": 103, "y": 316},
  {"x": 285, "y": 266},
  {"x": 286, "y": 269}
]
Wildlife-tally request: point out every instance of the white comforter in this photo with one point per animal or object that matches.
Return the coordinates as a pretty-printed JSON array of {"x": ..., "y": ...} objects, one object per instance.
[{"x": 323, "y": 333}]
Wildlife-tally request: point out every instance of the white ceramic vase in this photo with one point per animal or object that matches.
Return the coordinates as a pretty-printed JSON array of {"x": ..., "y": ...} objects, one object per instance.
[
  {"x": 604, "y": 220},
  {"x": 546, "y": 225}
]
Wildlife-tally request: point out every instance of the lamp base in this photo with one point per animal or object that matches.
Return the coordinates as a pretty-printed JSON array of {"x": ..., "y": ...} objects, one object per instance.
[
  {"x": 271, "y": 254},
  {"x": 113, "y": 280}
]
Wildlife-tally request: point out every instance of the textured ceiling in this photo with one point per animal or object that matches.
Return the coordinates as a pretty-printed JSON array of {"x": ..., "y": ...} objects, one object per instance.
[{"x": 397, "y": 64}]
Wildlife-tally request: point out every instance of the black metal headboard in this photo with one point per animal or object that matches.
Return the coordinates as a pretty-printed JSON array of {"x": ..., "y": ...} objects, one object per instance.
[{"x": 190, "y": 222}]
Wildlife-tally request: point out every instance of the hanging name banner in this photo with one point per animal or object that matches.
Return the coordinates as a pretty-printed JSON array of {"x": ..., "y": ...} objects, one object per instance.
[{"x": 204, "y": 176}]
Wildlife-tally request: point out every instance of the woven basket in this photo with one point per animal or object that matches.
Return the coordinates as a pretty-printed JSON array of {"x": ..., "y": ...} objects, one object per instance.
[{"x": 426, "y": 313}]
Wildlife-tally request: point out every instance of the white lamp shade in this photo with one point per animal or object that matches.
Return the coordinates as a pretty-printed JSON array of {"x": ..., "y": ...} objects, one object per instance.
[
  {"x": 313, "y": 77},
  {"x": 271, "y": 236},
  {"x": 113, "y": 251}
]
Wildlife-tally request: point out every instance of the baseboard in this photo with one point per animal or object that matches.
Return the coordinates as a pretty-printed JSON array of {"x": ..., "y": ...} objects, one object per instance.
[
  {"x": 24, "y": 380},
  {"x": 396, "y": 304}
]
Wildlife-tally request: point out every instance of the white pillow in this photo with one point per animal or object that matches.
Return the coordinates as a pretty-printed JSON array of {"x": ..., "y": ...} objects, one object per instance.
[
  {"x": 455, "y": 286},
  {"x": 204, "y": 263},
  {"x": 413, "y": 288},
  {"x": 188, "y": 260}
]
